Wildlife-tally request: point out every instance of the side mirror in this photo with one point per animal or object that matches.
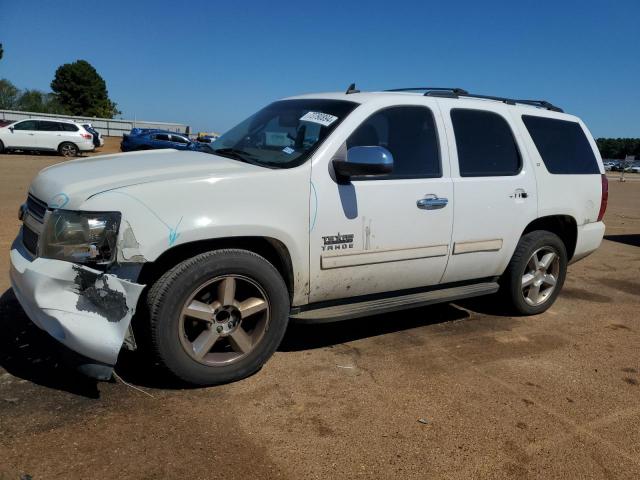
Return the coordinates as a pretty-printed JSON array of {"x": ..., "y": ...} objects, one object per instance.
[
  {"x": 363, "y": 161},
  {"x": 11, "y": 128}
]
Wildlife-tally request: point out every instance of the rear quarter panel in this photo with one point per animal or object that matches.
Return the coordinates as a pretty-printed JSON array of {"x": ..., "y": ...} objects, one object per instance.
[{"x": 575, "y": 195}]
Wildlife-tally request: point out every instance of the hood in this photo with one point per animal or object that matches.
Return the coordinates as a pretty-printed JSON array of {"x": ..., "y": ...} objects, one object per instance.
[{"x": 69, "y": 184}]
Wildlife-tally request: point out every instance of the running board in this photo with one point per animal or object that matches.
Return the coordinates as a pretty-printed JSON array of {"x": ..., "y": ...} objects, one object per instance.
[{"x": 382, "y": 305}]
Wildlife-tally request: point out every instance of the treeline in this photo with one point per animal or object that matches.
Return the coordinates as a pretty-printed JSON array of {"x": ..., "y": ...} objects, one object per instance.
[{"x": 618, "y": 148}]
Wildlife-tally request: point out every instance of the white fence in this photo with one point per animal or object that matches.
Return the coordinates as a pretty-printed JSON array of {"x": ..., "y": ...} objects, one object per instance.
[{"x": 106, "y": 126}]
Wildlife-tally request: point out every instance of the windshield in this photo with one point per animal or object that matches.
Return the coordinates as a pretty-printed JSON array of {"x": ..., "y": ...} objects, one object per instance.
[{"x": 283, "y": 134}]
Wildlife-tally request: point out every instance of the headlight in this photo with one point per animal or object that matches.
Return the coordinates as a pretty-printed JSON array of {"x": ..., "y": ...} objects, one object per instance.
[{"x": 81, "y": 237}]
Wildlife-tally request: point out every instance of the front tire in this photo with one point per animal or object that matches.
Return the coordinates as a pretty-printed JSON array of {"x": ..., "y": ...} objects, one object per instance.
[
  {"x": 1, "y": 146},
  {"x": 536, "y": 272},
  {"x": 218, "y": 317},
  {"x": 68, "y": 149}
]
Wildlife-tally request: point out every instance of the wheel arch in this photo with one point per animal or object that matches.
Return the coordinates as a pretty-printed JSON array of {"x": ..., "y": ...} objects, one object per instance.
[
  {"x": 564, "y": 226},
  {"x": 271, "y": 249}
]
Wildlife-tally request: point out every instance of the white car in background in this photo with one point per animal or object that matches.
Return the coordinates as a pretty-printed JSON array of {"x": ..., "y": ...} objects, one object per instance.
[{"x": 63, "y": 136}]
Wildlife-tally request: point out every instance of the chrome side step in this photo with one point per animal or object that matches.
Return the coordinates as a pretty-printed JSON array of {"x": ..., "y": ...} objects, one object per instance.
[{"x": 382, "y": 305}]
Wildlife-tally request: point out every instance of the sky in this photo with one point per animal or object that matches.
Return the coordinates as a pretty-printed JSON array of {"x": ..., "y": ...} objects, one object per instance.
[{"x": 211, "y": 64}]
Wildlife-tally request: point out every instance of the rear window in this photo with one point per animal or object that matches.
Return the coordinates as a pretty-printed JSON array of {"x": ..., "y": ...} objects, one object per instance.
[
  {"x": 563, "y": 146},
  {"x": 485, "y": 143},
  {"x": 68, "y": 127}
]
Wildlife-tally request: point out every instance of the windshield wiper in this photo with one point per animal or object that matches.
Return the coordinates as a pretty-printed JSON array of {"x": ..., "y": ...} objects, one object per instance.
[{"x": 235, "y": 154}]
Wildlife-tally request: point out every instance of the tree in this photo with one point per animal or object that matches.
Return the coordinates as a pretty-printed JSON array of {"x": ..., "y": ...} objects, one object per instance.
[
  {"x": 8, "y": 94},
  {"x": 37, "y": 101},
  {"x": 80, "y": 90}
]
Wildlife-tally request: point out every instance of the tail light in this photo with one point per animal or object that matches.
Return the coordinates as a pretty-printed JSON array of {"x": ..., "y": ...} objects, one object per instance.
[
  {"x": 88, "y": 136},
  {"x": 605, "y": 196}
]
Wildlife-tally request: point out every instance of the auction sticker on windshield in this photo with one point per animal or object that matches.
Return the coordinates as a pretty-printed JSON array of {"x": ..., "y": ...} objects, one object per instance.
[{"x": 323, "y": 119}]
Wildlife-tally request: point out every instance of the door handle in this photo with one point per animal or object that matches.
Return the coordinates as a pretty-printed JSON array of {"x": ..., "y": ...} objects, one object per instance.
[{"x": 432, "y": 202}]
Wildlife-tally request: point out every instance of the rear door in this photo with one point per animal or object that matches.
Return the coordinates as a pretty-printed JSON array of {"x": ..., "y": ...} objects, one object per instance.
[
  {"x": 371, "y": 235},
  {"x": 49, "y": 134},
  {"x": 24, "y": 135},
  {"x": 494, "y": 187}
]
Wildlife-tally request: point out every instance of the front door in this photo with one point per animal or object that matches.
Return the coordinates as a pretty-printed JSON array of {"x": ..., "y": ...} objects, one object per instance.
[
  {"x": 390, "y": 233},
  {"x": 25, "y": 134},
  {"x": 495, "y": 190}
]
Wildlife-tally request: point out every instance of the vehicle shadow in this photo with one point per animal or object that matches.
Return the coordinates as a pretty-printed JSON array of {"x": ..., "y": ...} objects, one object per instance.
[
  {"x": 29, "y": 353},
  {"x": 632, "y": 239},
  {"x": 303, "y": 336}
]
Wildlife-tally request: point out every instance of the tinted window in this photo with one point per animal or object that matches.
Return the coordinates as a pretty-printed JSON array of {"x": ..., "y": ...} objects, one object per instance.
[
  {"x": 485, "y": 143},
  {"x": 68, "y": 127},
  {"x": 27, "y": 125},
  {"x": 409, "y": 133},
  {"x": 563, "y": 146},
  {"x": 179, "y": 139},
  {"x": 49, "y": 126},
  {"x": 161, "y": 136}
]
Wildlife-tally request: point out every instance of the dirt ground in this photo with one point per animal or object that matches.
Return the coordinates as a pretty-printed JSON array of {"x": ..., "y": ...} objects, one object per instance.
[{"x": 452, "y": 391}]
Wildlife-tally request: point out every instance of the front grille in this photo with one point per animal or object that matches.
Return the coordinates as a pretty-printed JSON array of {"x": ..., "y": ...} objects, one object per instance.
[
  {"x": 30, "y": 240},
  {"x": 36, "y": 207},
  {"x": 33, "y": 223}
]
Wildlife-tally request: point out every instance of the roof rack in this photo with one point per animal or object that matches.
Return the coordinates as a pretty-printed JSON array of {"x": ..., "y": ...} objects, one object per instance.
[{"x": 448, "y": 92}]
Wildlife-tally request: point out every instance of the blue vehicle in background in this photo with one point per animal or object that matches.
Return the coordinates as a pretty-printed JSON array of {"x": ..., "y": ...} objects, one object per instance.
[{"x": 151, "y": 139}]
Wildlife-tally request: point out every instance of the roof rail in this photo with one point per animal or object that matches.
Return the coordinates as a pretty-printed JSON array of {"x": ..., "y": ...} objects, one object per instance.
[{"x": 459, "y": 92}]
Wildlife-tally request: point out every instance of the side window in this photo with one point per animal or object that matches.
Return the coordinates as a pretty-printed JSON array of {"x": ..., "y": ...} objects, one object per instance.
[
  {"x": 486, "y": 147},
  {"x": 563, "y": 146},
  {"x": 161, "y": 136},
  {"x": 179, "y": 139},
  {"x": 48, "y": 126},
  {"x": 68, "y": 127},
  {"x": 409, "y": 133},
  {"x": 26, "y": 125}
]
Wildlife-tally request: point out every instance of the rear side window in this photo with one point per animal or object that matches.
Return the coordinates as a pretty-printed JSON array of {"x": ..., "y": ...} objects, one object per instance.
[
  {"x": 563, "y": 146},
  {"x": 161, "y": 136},
  {"x": 409, "y": 133},
  {"x": 179, "y": 139},
  {"x": 486, "y": 147},
  {"x": 68, "y": 127},
  {"x": 48, "y": 126}
]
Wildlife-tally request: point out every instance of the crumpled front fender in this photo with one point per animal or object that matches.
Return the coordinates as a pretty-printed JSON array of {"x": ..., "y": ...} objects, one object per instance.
[{"x": 86, "y": 310}]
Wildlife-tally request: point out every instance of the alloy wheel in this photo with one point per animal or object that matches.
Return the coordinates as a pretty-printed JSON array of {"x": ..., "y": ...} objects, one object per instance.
[
  {"x": 223, "y": 320},
  {"x": 540, "y": 276}
]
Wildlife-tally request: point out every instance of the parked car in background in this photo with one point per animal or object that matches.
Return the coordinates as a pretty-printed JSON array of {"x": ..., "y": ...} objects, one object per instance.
[
  {"x": 144, "y": 139},
  {"x": 633, "y": 168},
  {"x": 609, "y": 164},
  {"x": 35, "y": 134},
  {"x": 98, "y": 141}
]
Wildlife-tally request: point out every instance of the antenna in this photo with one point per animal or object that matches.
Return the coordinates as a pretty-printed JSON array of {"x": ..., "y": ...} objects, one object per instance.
[{"x": 352, "y": 89}]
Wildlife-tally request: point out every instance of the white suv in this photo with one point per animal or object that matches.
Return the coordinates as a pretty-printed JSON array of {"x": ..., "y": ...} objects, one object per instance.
[
  {"x": 63, "y": 136},
  {"x": 317, "y": 208}
]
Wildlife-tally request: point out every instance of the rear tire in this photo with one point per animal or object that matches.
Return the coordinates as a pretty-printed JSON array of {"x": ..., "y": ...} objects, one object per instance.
[
  {"x": 536, "y": 272},
  {"x": 218, "y": 317},
  {"x": 1, "y": 146},
  {"x": 68, "y": 149}
]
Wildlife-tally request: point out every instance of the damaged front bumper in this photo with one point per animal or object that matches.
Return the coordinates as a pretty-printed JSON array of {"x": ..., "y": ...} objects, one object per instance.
[{"x": 87, "y": 310}]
